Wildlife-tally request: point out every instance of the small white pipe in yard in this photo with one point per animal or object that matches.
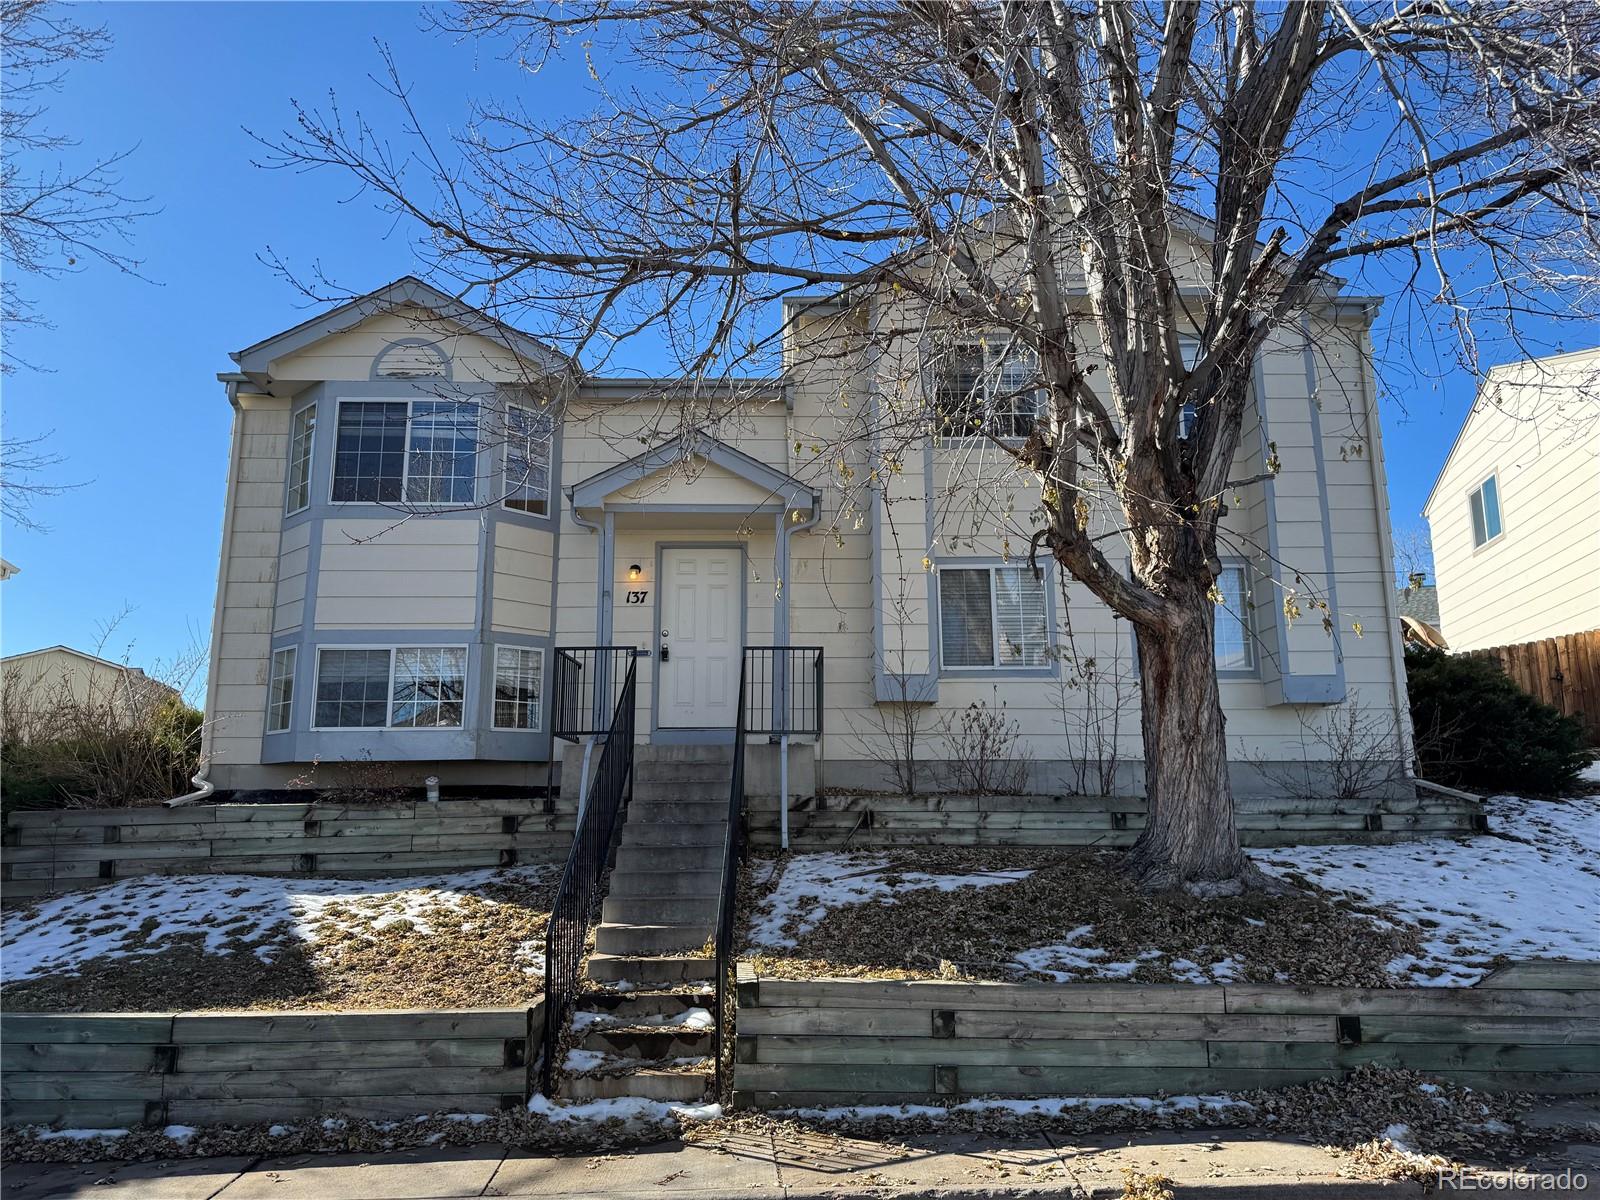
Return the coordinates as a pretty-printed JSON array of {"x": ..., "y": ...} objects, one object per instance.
[
  {"x": 783, "y": 792},
  {"x": 203, "y": 788},
  {"x": 431, "y": 784}
]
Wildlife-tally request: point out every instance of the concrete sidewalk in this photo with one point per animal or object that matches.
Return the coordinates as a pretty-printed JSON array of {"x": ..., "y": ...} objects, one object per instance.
[{"x": 1216, "y": 1165}]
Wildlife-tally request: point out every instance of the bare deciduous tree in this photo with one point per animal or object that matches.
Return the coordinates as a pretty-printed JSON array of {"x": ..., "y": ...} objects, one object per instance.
[
  {"x": 1085, "y": 185},
  {"x": 54, "y": 213}
]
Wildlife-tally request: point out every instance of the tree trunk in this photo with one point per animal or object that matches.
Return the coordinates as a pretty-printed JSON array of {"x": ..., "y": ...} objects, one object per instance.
[{"x": 1189, "y": 839}]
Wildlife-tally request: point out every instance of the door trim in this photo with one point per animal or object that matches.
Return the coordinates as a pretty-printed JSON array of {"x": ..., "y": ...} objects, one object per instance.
[{"x": 689, "y": 735}]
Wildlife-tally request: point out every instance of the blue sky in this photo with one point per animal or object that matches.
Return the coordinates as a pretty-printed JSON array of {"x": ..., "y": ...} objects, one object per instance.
[{"x": 131, "y": 391}]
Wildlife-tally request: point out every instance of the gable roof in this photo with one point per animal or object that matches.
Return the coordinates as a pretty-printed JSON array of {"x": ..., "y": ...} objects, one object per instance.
[
  {"x": 92, "y": 658},
  {"x": 1420, "y": 602},
  {"x": 783, "y": 488},
  {"x": 1478, "y": 405},
  {"x": 407, "y": 290}
]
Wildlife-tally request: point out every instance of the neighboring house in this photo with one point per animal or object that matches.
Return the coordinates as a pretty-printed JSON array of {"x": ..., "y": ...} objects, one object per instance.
[
  {"x": 7, "y": 570},
  {"x": 1419, "y": 615},
  {"x": 1515, "y": 513},
  {"x": 425, "y": 506},
  {"x": 57, "y": 689}
]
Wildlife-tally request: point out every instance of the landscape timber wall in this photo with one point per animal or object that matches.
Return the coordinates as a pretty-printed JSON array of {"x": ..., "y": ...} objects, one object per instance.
[
  {"x": 868, "y": 820},
  {"x": 1534, "y": 1027},
  {"x": 57, "y": 850},
  {"x": 119, "y": 1070}
]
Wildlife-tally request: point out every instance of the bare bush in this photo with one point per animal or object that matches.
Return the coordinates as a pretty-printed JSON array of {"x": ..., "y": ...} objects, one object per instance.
[
  {"x": 95, "y": 734},
  {"x": 985, "y": 756},
  {"x": 1093, "y": 698},
  {"x": 1347, "y": 752},
  {"x": 359, "y": 782}
]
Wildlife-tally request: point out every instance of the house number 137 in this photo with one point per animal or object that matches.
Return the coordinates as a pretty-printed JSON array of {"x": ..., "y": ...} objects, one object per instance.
[{"x": 636, "y": 597}]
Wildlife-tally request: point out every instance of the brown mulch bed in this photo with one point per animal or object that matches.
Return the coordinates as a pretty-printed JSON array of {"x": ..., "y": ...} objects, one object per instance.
[
  {"x": 1306, "y": 936},
  {"x": 474, "y": 957}
]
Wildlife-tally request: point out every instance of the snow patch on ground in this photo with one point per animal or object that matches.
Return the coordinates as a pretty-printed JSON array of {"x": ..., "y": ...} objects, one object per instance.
[
  {"x": 1048, "y": 1106},
  {"x": 811, "y": 884},
  {"x": 78, "y": 1135},
  {"x": 1533, "y": 892},
  {"x": 628, "y": 1109},
  {"x": 60, "y": 935}
]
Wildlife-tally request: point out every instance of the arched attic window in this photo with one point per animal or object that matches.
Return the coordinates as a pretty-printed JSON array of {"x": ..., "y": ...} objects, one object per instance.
[{"x": 411, "y": 358}]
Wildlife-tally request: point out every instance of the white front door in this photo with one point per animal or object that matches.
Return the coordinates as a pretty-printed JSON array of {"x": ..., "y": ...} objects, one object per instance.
[{"x": 702, "y": 636}]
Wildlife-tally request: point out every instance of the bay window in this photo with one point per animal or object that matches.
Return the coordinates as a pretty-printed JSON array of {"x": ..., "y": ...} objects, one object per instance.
[
  {"x": 518, "y": 687},
  {"x": 280, "y": 690},
  {"x": 393, "y": 451},
  {"x": 530, "y": 435},
  {"x": 402, "y": 687}
]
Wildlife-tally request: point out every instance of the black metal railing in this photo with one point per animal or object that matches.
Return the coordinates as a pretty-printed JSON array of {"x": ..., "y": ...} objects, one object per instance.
[
  {"x": 587, "y": 685},
  {"x": 732, "y": 854},
  {"x": 566, "y": 937},
  {"x": 783, "y": 696}
]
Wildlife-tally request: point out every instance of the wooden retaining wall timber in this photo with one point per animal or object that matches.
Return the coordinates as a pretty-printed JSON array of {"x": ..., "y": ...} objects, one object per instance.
[
  {"x": 119, "y": 1070},
  {"x": 887, "y": 820},
  {"x": 1563, "y": 672},
  {"x": 56, "y": 850},
  {"x": 1535, "y": 1027}
]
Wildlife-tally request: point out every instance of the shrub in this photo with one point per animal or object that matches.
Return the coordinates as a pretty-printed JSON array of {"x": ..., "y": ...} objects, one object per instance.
[
  {"x": 1475, "y": 728},
  {"x": 94, "y": 748}
]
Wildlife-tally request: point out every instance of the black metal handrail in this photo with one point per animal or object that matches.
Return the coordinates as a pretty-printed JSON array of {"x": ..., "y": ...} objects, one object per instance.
[
  {"x": 784, "y": 696},
  {"x": 587, "y": 685},
  {"x": 732, "y": 854},
  {"x": 566, "y": 937}
]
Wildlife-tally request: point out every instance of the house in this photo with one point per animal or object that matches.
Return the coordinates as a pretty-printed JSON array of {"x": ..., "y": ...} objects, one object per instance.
[
  {"x": 39, "y": 685},
  {"x": 1419, "y": 615},
  {"x": 431, "y": 516},
  {"x": 1515, "y": 512},
  {"x": 7, "y": 570}
]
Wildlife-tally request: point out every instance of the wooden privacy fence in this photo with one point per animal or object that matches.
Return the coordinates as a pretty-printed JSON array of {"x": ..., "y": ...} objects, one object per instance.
[
  {"x": 1531, "y": 1027},
  {"x": 118, "y": 1070},
  {"x": 57, "y": 850},
  {"x": 1563, "y": 672}
]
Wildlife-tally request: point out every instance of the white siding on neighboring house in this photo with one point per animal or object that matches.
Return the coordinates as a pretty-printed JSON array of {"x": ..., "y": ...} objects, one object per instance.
[{"x": 1534, "y": 428}]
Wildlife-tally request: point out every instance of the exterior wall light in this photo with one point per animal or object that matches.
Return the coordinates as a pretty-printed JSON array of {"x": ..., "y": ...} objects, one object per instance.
[{"x": 635, "y": 573}]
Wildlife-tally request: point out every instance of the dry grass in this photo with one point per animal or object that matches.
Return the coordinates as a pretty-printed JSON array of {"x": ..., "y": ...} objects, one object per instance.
[
  {"x": 470, "y": 959},
  {"x": 975, "y": 933}
]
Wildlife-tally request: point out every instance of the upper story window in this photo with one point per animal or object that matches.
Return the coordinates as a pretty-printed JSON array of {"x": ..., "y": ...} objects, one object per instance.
[
  {"x": 987, "y": 389},
  {"x": 1189, "y": 348},
  {"x": 992, "y": 617},
  {"x": 1233, "y": 648},
  {"x": 1485, "y": 503},
  {"x": 301, "y": 432},
  {"x": 530, "y": 436},
  {"x": 423, "y": 452}
]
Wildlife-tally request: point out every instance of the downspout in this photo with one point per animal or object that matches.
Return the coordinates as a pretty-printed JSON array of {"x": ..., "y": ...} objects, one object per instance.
[
  {"x": 202, "y": 785},
  {"x": 783, "y": 742},
  {"x": 588, "y": 742}
]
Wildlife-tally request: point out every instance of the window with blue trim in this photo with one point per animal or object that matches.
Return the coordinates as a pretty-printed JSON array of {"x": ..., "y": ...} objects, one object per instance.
[
  {"x": 992, "y": 617},
  {"x": 530, "y": 437},
  {"x": 987, "y": 388},
  {"x": 1233, "y": 648},
  {"x": 386, "y": 451},
  {"x": 1485, "y": 504}
]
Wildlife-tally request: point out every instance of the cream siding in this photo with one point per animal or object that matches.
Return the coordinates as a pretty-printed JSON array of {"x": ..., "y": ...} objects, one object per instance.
[
  {"x": 236, "y": 701},
  {"x": 1536, "y": 427}
]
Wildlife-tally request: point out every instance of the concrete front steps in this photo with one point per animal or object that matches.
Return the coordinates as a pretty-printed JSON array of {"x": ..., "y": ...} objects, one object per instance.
[
  {"x": 654, "y": 1045},
  {"x": 648, "y": 1033}
]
